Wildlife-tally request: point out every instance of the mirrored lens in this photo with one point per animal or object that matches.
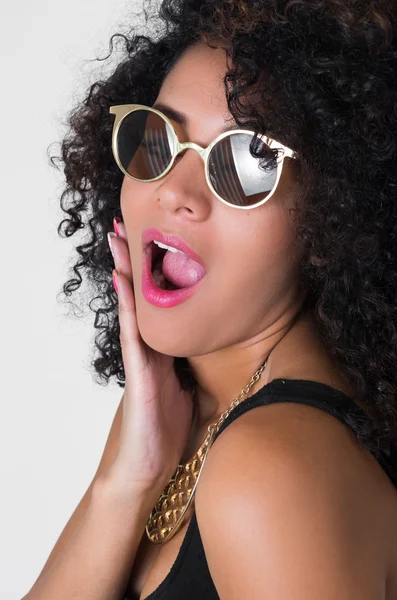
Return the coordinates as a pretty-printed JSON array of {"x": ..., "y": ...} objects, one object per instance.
[
  {"x": 144, "y": 144},
  {"x": 239, "y": 177}
]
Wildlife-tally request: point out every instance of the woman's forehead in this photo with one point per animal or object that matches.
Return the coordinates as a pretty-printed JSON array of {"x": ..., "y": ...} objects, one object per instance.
[
  {"x": 197, "y": 78},
  {"x": 194, "y": 88}
]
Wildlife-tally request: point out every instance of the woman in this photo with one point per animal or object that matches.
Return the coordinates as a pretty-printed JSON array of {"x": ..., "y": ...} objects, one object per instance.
[{"x": 255, "y": 263}]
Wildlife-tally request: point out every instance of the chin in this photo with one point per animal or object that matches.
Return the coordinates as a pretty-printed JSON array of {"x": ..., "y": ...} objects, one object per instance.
[{"x": 163, "y": 342}]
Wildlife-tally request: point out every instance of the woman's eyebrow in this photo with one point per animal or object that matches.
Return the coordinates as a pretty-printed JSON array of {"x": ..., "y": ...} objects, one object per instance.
[{"x": 180, "y": 118}]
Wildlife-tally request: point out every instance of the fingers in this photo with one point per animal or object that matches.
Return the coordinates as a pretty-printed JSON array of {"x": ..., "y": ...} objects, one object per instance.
[
  {"x": 119, "y": 247},
  {"x": 122, "y": 280},
  {"x": 119, "y": 228},
  {"x": 129, "y": 332}
]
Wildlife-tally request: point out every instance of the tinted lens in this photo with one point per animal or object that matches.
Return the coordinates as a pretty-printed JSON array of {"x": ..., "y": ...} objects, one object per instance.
[
  {"x": 144, "y": 144},
  {"x": 239, "y": 177}
]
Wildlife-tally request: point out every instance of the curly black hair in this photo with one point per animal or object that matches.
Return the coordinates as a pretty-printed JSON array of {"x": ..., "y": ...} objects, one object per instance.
[{"x": 321, "y": 76}]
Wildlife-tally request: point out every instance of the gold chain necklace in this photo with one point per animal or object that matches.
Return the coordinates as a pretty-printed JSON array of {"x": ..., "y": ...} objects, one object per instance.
[{"x": 171, "y": 508}]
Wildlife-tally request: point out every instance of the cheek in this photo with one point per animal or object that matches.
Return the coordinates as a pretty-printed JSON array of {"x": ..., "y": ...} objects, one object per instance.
[
  {"x": 126, "y": 194},
  {"x": 134, "y": 198},
  {"x": 133, "y": 205},
  {"x": 265, "y": 249}
]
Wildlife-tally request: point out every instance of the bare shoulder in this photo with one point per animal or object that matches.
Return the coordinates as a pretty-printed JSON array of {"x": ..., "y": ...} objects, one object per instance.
[{"x": 290, "y": 505}]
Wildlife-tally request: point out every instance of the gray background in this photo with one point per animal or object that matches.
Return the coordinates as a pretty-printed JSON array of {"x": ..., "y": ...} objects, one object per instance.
[{"x": 54, "y": 419}]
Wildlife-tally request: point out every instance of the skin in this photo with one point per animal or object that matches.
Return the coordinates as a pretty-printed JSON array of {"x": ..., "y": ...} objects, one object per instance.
[
  {"x": 318, "y": 517},
  {"x": 252, "y": 256}
]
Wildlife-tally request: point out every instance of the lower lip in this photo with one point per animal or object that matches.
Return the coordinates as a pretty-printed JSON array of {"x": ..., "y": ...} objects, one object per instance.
[{"x": 157, "y": 296}]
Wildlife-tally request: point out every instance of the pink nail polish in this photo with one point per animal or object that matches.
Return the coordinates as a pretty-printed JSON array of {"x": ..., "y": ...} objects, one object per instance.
[
  {"x": 110, "y": 235},
  {"x": 114, "y": 277},
  {"x": 116, "y": 221}
]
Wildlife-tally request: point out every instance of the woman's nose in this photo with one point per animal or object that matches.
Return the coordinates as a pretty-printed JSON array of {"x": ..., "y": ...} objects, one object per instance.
[{"x": 185, "y": 186}]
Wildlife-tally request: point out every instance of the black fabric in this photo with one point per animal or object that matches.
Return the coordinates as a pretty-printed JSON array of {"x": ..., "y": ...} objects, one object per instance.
[{"x": 189, "y": 576}]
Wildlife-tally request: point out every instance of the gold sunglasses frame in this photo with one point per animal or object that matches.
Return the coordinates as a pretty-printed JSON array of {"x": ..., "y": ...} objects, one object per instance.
[{"x": 122, "y": 110}]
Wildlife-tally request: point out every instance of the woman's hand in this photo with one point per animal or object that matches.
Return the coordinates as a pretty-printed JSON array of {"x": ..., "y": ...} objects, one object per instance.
[{"x": 157, "y": 413}]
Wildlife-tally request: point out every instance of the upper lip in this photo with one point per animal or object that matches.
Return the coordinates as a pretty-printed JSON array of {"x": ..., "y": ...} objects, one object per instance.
[{"x": 170, "y": 240}]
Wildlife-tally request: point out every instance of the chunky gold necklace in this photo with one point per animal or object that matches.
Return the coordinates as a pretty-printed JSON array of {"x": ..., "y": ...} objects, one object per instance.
[{"x": 171, "y": 509}]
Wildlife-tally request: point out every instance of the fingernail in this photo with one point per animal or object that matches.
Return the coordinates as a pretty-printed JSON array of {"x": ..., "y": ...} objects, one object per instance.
[
  {"x": 114, "y": 277},
  {"x": 116, "y": 221},
  {"x": 110, "y": 236}
]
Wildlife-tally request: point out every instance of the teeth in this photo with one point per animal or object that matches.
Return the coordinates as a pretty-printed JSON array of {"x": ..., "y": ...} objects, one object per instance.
[{"x": 170, "y": 248}]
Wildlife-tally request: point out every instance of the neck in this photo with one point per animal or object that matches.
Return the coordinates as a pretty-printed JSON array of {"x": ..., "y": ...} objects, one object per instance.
[{"x": 222, "y": 375}]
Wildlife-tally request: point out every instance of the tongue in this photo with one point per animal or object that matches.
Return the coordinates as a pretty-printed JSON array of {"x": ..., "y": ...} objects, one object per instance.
[{"x": 181, "y": 270}]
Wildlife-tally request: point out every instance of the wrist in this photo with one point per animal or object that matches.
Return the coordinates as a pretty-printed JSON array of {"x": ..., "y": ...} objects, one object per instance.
[{"x": 112, "y": 487}]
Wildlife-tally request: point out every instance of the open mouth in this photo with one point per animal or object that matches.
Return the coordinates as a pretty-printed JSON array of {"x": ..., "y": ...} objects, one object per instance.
[{"x": 157, "y": 255}]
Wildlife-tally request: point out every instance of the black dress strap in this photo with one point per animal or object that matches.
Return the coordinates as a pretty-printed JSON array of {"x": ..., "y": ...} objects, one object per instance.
[{"x": 318, "y": 395}]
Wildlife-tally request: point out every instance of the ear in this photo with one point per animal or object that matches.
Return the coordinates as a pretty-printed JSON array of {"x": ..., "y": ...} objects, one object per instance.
[{"x": 316, "y": 261}]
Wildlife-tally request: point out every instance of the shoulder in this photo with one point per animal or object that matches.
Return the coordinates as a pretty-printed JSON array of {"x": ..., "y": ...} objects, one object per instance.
[{"x": 285, "y": 508}]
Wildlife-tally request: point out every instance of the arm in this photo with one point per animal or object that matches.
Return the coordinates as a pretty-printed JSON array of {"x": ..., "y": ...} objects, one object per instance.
[
  {"x": 108, "y": 456},
  {"x": 95, "y": 563},
  {"x": 288, "y": 510},
  {"x": 99, "y": 505},
  {"x": 93, "y": 559}
]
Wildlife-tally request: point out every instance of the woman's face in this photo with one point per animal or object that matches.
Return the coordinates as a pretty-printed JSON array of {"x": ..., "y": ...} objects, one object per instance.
[{"x": 251, "y": 256}]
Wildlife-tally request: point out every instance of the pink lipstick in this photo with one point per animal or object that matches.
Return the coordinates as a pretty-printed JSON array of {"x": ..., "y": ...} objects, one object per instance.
[{"x": 152, "y": 258}]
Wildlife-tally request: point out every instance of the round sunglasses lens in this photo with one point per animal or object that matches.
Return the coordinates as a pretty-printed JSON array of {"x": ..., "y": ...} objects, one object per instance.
[
  {"x": 144, "y": 144},
  {"x": 239, "y": 177}
]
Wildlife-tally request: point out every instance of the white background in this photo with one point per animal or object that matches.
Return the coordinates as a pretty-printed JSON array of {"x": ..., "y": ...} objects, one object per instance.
[{"x": 54, "y": 418}]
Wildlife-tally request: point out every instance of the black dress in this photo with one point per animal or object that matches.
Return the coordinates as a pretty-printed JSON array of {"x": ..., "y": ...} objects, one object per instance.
[{"x": 189, "y": 577}]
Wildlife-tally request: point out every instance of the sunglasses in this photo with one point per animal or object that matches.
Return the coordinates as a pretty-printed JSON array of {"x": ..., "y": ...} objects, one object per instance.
[{"x": 145, "y": 146}]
